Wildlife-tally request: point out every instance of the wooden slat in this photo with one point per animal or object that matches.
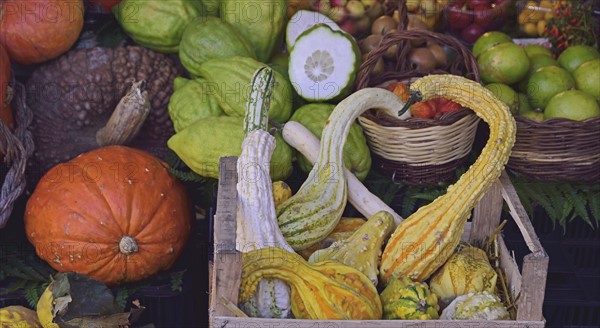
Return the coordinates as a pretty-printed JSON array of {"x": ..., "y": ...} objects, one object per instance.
[
  {"x": 224, "y": 222},
  {"x": 225, "y": 277},
  {"x": 518, "y": 213},
  {"x": 507, "y": 262},
  {"x": 533, "y": 287},
  {"x": 486, "y": 215},
  {"x": 231, "y": 322},
  {"x": 535, "y": 265}
]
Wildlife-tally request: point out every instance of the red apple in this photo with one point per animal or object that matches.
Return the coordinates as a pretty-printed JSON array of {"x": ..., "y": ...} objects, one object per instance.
[
  {"x": 483, "y": 15},
  {"x": 459, "y": 17},
  {"x": 471, "y": 4},
  {"x": 471, "y": 33}
]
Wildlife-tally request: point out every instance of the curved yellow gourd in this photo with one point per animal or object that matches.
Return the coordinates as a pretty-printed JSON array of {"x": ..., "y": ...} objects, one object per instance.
[
  {"x": 326, "y": 290},
  {"x": 426, "y": 239}
]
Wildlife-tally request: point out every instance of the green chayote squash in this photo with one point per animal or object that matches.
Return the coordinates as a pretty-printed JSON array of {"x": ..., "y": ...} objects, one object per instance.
[
  {"x": 212, "y": 7},
  {"x": 357, "y": 157},
  {"x": 157, "y": 24},
  {"x": 208, "y": 38},
  {"x": 202, "y": 144},
  {"x": 192, "y": 100},
  {"x": 230, "y": 78},
  {"x": 260, "y": 22}
]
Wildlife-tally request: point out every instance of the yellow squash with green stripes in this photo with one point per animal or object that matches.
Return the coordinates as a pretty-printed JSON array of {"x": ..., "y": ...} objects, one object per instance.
[{"x": 425, "y": 240}]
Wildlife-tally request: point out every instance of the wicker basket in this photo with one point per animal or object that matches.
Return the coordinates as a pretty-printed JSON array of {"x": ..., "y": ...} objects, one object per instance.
[
  {"x": 557, "y": 150},
  {"x": 418, "y": 151},
  {"x": 17, "y": 146}
]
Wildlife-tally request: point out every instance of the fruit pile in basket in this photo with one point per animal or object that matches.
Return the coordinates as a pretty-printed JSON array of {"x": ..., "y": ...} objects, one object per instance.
[
  {"x": 353, "y": 16},
  {"x": 536, "y": 85},
  {"x": 533, "y": 15},
  {"x": 469, "y": 19},
  {"x": 425, "y": 55},
  {"x": 432, "y": 108}
]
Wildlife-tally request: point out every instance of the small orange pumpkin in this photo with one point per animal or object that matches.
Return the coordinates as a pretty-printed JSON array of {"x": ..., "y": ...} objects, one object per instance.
[
  {"x": 35, "y": 31},
  {"x": 114, "y": 214}
]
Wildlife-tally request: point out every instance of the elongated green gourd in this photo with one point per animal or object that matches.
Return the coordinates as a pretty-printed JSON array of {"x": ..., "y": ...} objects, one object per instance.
[
  {"x": 256, "y": 221},
  {"x": 425, "y": 240},
  {"x": 363, "y": 248},
  {"x": 312, "y": 213}
]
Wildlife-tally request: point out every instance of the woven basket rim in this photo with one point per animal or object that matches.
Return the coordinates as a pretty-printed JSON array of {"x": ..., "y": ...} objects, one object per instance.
[
  {"x": 558, "y": 149},
  {"x": 19, "y": 149},
  {"x": 558, "y": 122}
]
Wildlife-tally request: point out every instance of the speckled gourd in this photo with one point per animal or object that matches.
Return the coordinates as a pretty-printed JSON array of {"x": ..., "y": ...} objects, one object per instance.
[
  {"x": 425, "y": 240},
  {"x": 467, "y": 270},
  {"x": 326, "y": 290},
  {"x": 363, "y": 248},
  {"x": 312, "y": 213},
  {"x": 256, "y": 221}
]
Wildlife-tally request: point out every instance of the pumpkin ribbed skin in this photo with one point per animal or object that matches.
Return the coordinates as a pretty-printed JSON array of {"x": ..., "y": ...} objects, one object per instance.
[
  {"x": 425, "y": 240},
  {"x": 85, "y": 215}
]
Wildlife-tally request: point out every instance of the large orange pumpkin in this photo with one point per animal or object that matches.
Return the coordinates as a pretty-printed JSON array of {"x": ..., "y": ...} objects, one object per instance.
[
  {"x": 114, "y": 214},
  {"x": 6, "y": 113},
  {"x": 35, "y": 31}
]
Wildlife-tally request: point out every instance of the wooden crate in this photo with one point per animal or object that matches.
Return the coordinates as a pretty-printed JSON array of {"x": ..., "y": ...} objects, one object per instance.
[{"x": 527, "y": 286}]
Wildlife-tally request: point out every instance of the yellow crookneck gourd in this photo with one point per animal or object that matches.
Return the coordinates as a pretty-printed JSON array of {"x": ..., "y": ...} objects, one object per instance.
[
  {"x": 425, "y": 240},
  {"x": 322, "y": 291}
]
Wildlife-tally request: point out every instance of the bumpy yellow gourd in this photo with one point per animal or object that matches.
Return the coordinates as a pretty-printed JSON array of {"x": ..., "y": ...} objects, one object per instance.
[
  {"x": 426, "y": 239},
  {"x": 467, "y": 270},
  {"x": 363, "y": 248},
  {"x": 325, "y": 290}
]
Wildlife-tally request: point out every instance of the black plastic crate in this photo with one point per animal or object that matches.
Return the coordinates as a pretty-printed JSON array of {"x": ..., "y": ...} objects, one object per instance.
[
  {"x": 572, "y": 315},
  {"x": 572, "y": 297}
]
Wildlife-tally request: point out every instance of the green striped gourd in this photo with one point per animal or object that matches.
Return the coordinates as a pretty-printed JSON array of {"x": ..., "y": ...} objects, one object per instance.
[
  {"x": 312, "y": 213},
  {"x": 404, "y": 299},
  {"x": 425, "y": 240},
  {"x": 256, "y": 221}
]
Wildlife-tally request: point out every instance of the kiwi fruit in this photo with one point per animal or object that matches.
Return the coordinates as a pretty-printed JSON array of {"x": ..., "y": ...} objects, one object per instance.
[
  {"x": 422, "y": 59},
  {"x": 414, "y": 23},
  {"x": 438, "y": 52},
  {"x": 370, "y": 42},
  {"x": 383, "y": 24}
]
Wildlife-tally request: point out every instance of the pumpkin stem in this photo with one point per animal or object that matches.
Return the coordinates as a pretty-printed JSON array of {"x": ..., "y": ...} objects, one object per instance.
[
  {"x": 127, "y": 118},
  {"x": 128, "y": 245}
]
